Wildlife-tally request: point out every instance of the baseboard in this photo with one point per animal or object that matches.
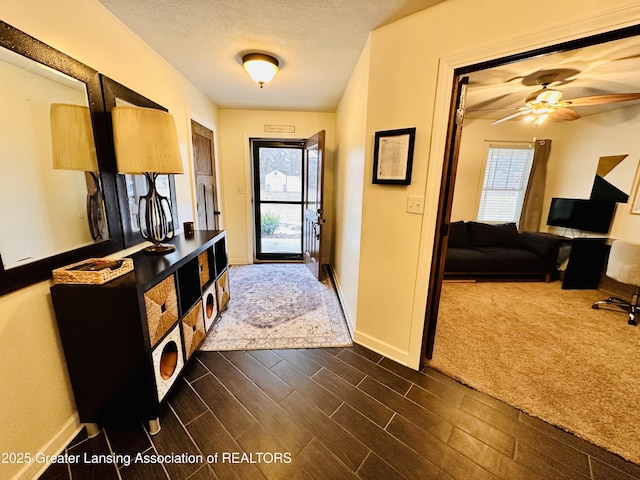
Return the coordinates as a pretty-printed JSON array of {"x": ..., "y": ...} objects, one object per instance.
[
  {"x": 239, "y": 261},
  {"x": 341, "y": 299},
  {"x": 400, "y": 356},
  {"x": 55, "y": 446}
]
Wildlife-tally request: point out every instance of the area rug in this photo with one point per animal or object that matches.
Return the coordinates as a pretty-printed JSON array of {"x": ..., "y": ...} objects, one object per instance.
[
  {"x": 277, "y": 306},
  {"x": 545, "y": 351}
]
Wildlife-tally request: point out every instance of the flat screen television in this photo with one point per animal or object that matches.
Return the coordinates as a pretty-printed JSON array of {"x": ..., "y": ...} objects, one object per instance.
[{"x": 581, "y": 214}]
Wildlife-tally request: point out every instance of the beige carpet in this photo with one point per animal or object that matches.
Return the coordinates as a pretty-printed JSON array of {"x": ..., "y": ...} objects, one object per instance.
[{"x": 545, "y": 351}]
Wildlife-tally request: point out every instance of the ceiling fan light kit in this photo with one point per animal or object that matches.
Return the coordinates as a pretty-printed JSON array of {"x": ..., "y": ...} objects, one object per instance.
[
  {"x": 260, "y": 67},
  {"x": 547, "y": 102}
]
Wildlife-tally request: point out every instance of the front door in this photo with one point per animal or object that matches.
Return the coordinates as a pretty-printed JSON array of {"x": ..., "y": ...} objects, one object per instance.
[
  {"x": 313, "y": 207},
  {"x": 205, "y": 173},
  {"x": 278, "y": 199}
]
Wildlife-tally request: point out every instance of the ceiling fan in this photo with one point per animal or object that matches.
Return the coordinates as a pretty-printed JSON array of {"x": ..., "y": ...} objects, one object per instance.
[{"x": 547, "y": 102}]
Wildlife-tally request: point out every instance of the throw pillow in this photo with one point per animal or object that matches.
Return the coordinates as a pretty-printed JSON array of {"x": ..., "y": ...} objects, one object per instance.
[
  {"x": 458, "y": 237},
  {"x": 485, "y": 235}
]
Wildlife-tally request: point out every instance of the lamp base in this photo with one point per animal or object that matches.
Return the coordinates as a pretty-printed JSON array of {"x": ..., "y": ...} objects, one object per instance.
[{"x": 160, "y": 249}]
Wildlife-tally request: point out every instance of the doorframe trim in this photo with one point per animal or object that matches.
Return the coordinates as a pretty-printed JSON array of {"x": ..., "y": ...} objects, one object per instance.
[{"x": 449, "y": 66}]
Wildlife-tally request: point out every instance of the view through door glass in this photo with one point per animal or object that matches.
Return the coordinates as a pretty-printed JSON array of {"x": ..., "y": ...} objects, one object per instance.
[{"x": 277, "y": 173}]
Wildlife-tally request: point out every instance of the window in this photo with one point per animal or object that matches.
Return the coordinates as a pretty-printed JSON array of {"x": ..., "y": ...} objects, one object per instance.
[{"x": 506, "y": 174}]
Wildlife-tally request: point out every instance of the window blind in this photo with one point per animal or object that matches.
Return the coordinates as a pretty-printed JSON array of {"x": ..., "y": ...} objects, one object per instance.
[{"x": 506, "y": 174}]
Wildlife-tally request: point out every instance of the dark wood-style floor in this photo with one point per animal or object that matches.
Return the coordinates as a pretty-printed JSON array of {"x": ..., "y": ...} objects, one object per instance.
[{"x": 335, "y": 414}]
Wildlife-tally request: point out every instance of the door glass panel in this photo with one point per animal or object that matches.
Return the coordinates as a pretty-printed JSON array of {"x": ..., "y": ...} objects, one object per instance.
[
  {"x": 280, "y": 228},
  {"x": 312, "y": 182},
  {"x": 280, "y": 171},
  {"x": 278, "y": 194}
]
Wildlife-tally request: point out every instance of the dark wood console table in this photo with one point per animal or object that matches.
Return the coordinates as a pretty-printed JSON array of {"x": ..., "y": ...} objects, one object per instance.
[
  {"x": 587, "y": 261},
  {"x": 127, "y": 341}
]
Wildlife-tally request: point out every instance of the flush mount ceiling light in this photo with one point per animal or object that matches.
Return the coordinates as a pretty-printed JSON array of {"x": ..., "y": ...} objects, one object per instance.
[{"x": 260, "y": 67}]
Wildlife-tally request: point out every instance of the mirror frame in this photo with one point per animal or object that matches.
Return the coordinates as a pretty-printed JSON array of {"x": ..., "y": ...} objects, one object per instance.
[
  {"x": 18, "y": 277},
  {"x": 113, "y": 90}
]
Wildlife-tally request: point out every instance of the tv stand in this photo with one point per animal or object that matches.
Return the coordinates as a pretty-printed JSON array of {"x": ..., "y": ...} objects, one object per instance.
[{"x": 587, "y": 260}]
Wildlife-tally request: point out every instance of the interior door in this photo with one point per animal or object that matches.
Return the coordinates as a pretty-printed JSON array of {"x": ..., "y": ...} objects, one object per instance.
[
  {"x": 205, "y": 173},
  {"x": 313, "y": 205},
  {"x": 452, "y": 150}
]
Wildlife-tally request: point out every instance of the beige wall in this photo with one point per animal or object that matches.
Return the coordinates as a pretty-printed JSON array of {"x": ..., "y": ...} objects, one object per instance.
[
  {"x": 351, "y": 120},
  {"x": 412, "y": 64},
  {"x": 36, "y": 404},
  {"x": 469, "y": 175},
  {"x": 577, "y": 147},
  {"x": 237, "y": 127}
]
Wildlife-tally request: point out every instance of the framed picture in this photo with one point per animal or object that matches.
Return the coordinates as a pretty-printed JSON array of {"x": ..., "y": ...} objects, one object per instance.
[
  {"x": 393, "y": 156},
  {"x": 635, "y": 204}
]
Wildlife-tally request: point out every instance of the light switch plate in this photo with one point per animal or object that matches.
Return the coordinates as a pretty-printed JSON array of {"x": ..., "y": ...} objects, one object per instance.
[{"x": 415, "y": 204}]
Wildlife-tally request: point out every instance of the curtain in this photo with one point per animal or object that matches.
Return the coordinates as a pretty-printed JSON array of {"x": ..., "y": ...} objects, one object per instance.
[{"x": 531, "y": 215}]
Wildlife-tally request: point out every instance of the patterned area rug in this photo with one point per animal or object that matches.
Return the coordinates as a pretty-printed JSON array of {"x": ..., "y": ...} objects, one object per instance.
[{"x": 276, "y": 306}]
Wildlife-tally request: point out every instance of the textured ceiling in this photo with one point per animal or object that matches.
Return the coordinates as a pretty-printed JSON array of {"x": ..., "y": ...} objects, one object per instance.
[{"x": 317, "y": 42}]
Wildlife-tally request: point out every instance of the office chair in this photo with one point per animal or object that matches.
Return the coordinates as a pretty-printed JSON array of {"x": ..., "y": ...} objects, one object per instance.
[{"x": 624, "y": 266}]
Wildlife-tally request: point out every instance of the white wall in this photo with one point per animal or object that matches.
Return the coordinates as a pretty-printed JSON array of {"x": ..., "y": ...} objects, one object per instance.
[
  {"x": 237, "y": 127},
  {"x": 37, "y": 410}
]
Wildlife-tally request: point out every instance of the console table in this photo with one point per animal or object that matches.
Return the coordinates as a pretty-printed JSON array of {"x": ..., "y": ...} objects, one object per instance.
[{"x": 127, "y": 341}]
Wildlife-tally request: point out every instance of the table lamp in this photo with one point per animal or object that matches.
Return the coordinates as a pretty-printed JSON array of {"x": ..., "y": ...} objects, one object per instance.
[
  {"x": 73, "y": 148},
  {"x": 146, "y": 142}
]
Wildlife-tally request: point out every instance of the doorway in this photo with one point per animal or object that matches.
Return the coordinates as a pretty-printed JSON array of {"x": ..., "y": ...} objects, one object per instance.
[
  {"x": 278, "y": 199},
  {"x": 207, "y": 210},
  {"x": 450, "y": 164}
]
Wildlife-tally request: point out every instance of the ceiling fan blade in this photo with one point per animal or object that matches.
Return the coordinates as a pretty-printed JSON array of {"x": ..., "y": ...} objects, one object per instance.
[
  {"x": 509, "y": 117},
  {"x": 602, "y": 99},
  {"x": 564, "y": 113}
]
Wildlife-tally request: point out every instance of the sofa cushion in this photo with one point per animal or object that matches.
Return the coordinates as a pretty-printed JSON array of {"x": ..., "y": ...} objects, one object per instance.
[
  {"x": 458, "y": 237},
  {"x": 513, "y": 260},
  {"x": 541, "y": 244},
  {"x": 465, "y": 260},
  {"x": 485, "y": 235}
]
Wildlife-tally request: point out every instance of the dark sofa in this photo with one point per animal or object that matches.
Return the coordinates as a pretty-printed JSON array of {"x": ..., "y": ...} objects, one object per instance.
[{"x": 479, "y": 249}]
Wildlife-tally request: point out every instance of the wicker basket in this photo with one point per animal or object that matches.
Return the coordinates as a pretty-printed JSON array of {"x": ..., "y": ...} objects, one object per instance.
[
  {"x": 161, "y": 304},
  {"x": 223, "y": 290},
  {"x": 203, "y": 261},
  {"x": 193, "y": 329},
  {"x": 72, "y": 273}
]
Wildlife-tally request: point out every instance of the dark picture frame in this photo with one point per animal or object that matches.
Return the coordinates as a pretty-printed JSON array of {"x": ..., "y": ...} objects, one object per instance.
[{"x": 393, "y": 156}]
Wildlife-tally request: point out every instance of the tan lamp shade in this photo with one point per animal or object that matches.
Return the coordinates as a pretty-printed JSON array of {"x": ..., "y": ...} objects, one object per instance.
[
  {"x": 72, "y": 142},
  {"x": 146, "y": 141}
]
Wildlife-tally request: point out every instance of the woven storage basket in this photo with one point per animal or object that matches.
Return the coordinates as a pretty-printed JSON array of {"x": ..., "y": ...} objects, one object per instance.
[
  {"x": 222, "y": 285},
  {"x": 67, "y": 274},
  {"x": 203, "y": 261},
  {"x": 193, "y": 329},
  {"x": 161, "y": 304}
]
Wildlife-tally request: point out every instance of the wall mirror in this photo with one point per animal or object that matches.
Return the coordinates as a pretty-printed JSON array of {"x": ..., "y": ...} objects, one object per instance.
[
  {"x": 58, "y": 201},
  {"x": 132, "y": 186}
]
